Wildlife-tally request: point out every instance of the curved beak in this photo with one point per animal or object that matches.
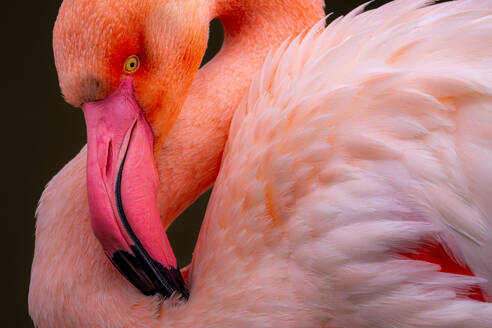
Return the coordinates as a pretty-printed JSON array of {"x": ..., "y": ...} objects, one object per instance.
[{"x": 122, "y": 183}]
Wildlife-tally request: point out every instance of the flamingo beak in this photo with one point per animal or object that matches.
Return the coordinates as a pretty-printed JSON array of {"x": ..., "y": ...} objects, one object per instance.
[{"x": 122, "y": 184}]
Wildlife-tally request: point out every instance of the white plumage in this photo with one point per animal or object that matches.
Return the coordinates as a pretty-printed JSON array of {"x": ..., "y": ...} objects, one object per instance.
[{"x": 352, "y": 147}]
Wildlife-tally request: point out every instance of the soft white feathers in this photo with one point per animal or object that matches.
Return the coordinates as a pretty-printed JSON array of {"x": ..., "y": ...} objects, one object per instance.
[{"x": 352, "y": 146}]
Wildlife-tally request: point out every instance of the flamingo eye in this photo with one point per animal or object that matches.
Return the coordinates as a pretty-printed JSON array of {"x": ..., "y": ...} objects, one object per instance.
[{"x": 132, "y": 64}]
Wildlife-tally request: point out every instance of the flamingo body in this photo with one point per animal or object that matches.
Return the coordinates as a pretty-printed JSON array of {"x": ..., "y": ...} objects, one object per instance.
[
  {"x": 352, "y": 151},
  {"x": 354, "y": 190}
]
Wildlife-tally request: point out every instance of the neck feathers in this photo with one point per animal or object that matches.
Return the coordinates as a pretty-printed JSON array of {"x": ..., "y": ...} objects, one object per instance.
[{"x": 190, "y": 158}]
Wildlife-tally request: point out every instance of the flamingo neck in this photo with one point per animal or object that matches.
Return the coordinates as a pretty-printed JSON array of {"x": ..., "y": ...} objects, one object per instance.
[
  {"x": 72, "y": 282},
  {"x": 190, "y": 157}
]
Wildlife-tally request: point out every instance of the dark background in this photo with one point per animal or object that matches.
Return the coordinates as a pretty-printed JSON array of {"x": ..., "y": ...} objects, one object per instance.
[{"x": 40, "y": 133}]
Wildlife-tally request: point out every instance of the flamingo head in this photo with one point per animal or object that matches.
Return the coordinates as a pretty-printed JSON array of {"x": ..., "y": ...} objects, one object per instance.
[{"x": 129, "y": 65}]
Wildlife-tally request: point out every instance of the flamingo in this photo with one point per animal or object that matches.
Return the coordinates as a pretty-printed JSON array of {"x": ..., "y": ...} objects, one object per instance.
[{"x": 351, "y": 167}]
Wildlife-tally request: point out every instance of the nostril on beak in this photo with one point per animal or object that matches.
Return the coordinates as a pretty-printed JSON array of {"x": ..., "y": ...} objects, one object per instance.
[{"x": 109, "y": 160}]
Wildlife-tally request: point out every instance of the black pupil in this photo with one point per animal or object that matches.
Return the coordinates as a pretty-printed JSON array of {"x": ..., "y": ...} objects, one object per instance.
[{"x": 132, "y": 64}]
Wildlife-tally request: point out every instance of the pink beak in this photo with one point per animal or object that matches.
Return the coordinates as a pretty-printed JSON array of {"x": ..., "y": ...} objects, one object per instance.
[{"x": 122, "y": 184}]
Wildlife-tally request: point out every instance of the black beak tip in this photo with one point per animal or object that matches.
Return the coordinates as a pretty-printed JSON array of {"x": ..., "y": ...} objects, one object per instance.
[
  {"x": 174, "y": 275},
  {"x": 152, "y": 278}
]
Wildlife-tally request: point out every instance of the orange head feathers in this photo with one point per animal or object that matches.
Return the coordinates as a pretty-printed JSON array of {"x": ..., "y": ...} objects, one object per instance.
[{"x": 94, "y": 39}]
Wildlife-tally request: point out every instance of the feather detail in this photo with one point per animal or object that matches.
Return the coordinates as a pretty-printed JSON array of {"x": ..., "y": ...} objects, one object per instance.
[{"x": 349, "y": 135}]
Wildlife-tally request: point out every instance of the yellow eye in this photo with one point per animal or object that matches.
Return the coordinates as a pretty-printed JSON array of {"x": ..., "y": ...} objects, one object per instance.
[{"x": 132, "y": 64}]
